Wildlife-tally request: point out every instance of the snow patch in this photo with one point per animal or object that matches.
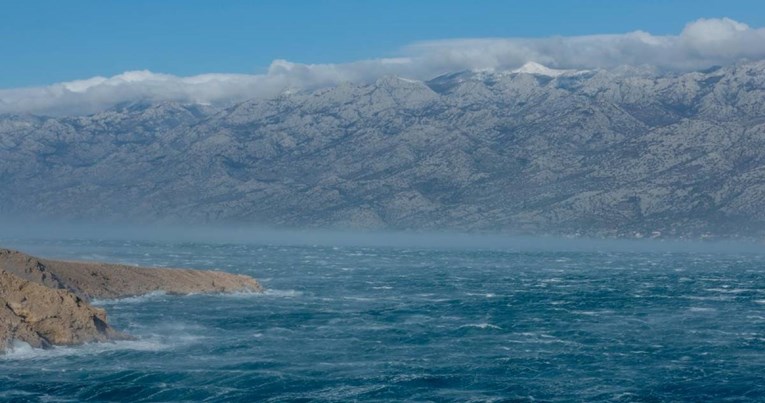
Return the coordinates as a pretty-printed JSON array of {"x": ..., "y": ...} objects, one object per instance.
[{"x": 541, "y": 70}]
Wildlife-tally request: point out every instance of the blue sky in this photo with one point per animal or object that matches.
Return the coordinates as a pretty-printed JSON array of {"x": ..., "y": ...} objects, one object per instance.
[{"x": 43, "y": 42}]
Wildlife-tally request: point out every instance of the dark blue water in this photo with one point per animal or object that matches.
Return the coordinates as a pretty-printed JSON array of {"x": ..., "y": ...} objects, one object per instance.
[{"x": 363, "y": 323}]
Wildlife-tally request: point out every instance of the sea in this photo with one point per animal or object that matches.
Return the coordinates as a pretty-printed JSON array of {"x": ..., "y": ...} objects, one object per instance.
[{"x": 408, "y": 321}]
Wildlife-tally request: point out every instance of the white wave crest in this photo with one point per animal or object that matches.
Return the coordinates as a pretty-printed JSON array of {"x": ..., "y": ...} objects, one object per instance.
[
  {"x": 23, "y": 351},
  {"x": 130, "y": 300},
  {"x": 282, "y": 293},
  {"x": 481, "y": 326}
]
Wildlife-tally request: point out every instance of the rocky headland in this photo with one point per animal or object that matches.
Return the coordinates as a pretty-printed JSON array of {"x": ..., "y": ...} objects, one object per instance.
[{"x": 45, "y": 302}]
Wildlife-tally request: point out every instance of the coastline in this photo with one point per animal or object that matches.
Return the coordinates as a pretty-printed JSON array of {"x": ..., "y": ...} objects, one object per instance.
[{"x": 46, "y": 302}]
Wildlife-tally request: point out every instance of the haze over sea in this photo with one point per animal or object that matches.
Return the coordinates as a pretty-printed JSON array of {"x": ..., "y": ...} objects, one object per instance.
[{"x": 368, "y": 317}]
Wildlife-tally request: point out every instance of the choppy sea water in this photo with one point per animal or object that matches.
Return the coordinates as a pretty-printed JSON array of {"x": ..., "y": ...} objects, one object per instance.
[{"x": 392, "y": 323}]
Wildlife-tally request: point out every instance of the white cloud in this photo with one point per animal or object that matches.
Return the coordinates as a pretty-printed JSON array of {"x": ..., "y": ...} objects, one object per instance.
[{"x": 701, "y": 44}]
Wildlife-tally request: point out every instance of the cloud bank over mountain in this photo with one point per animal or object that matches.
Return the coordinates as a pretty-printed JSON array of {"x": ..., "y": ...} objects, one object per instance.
[{"x": 701, "y": 44}]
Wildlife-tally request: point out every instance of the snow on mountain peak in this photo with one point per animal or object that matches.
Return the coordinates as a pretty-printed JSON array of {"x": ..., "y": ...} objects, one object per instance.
[{"x": 536, "y": 68}]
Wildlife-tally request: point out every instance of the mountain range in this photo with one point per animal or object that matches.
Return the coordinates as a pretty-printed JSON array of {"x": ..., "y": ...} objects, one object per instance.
[{"x": 626, "y": 152}]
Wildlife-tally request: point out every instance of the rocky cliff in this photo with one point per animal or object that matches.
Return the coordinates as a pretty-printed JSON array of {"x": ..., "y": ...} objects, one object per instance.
[
  {"x": 625, "y": 152},
  {"x": 44, "y": 317},
  {"x": 44, "y": 302}
]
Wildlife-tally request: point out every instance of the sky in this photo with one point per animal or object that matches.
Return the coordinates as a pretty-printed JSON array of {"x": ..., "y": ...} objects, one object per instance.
[{"x": 57, "y": 56}]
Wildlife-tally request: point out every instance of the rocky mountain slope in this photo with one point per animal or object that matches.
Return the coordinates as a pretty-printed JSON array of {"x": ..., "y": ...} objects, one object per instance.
[{"x": 627, "y": 152}]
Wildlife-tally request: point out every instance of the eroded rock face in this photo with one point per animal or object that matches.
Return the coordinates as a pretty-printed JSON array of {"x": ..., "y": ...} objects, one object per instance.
[
  {"x": 43, "y": 316},
  {"x": 99, "y": 280}
]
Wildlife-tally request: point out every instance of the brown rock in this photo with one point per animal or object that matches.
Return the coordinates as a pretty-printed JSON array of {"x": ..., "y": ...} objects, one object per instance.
[
  {"x": 100, "y": 280},
  {"x": 43, "y": 302},
  {"x": 43, "y": 316}
]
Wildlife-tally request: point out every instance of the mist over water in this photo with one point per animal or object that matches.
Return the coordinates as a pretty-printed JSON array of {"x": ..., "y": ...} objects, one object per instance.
[
  {"x": 413, "y": 317},
  {"x": 15, "y": 230}
]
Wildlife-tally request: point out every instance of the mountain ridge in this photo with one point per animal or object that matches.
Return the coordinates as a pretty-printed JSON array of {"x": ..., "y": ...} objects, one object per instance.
[{"x": 625, "y": 153}]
